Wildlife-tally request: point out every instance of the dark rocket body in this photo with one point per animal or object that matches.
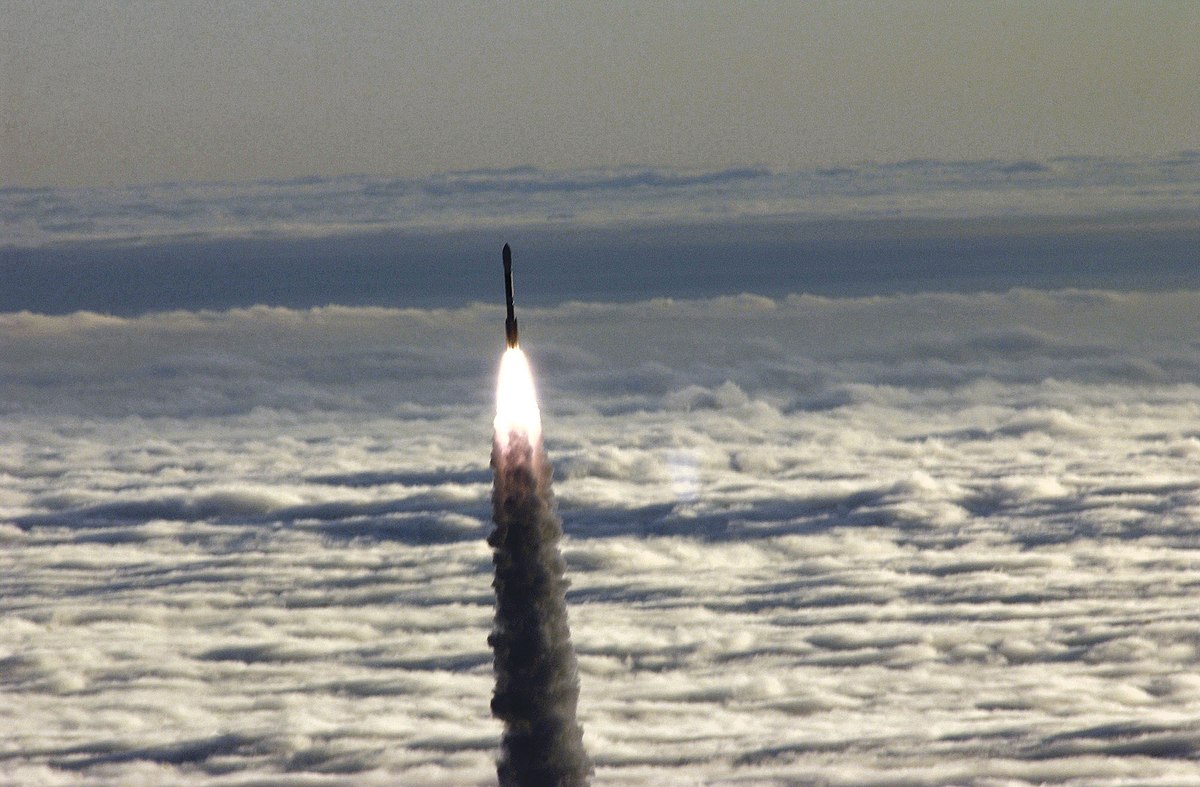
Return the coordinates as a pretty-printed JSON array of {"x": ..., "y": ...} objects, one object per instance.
[{"x": 510, "y": 324}]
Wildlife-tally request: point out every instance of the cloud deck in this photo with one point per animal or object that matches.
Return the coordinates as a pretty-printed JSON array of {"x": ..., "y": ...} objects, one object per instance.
[{"x": 814, "y": 522}]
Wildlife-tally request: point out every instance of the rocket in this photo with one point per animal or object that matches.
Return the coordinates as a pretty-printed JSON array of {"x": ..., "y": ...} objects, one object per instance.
[{"x": 510, "y": 323}]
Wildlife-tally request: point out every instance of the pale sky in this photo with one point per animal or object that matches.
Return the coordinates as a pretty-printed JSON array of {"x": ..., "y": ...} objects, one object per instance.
[{"x": 106, "y": 93}]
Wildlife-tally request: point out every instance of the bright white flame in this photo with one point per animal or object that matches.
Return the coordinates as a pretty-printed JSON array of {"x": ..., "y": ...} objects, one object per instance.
[{"x": 516, "y": 399}]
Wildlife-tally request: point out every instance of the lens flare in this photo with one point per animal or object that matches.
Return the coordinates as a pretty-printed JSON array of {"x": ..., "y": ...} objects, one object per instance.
[{"x": 516, "y": 400}]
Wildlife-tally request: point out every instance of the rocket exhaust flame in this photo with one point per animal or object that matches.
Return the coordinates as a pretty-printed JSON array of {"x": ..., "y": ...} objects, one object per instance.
[
  {"x": 516, "y": 401},
  {"x": 537, "y": 686}
]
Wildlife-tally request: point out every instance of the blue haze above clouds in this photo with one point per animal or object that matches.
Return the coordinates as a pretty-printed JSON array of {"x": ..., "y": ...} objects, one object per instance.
[
  {"x": 242, "y": 526},
  {"x": 112, "y": 92}
]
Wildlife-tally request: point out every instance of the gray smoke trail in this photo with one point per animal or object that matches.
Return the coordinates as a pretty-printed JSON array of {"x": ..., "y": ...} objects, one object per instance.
[{"x": 537, "y": 687}]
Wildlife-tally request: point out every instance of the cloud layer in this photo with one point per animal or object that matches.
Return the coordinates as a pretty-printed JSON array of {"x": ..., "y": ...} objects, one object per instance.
[
  {"x": 604, "y": 235},
  {"x": 310, "y": 207},
  {"x": 934, "y": 539}
]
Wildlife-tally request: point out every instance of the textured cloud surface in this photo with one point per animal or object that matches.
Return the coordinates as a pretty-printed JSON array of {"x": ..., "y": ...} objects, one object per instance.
[
  {"x": 611, "y": 235},
  {"x": 312, "y": 207},
  {"x": 928, "y": 539}
]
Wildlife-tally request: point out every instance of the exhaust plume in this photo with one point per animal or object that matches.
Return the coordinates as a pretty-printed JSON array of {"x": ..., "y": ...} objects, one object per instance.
[{"x": 537, "y": 687}]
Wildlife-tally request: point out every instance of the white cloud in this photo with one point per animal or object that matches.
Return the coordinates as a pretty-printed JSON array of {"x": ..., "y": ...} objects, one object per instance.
[{"x": 248, "y": 545}]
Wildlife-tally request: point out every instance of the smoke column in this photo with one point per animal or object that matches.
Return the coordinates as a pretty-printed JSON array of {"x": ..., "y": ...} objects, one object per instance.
[{"x": 537, "y": 687}]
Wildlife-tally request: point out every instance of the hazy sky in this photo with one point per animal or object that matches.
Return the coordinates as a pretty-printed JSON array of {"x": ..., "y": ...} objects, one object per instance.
[{"x": 107, "y": 92}]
